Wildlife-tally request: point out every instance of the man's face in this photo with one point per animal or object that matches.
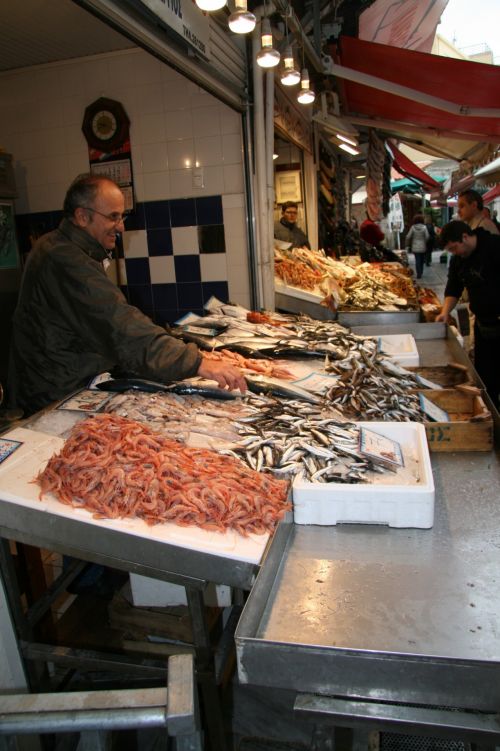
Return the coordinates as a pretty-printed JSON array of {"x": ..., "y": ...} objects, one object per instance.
[
  {"x": 103, "y": 219},
  {"x": 462, "y": 248},
  {"x": 466, "y": 210},
  {"x": 290, "y": 215}
]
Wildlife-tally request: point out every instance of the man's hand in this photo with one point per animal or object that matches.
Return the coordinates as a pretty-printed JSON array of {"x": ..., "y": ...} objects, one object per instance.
[
  {"x": 442, "y": 317},
  {"x": 227, "y": 376}
]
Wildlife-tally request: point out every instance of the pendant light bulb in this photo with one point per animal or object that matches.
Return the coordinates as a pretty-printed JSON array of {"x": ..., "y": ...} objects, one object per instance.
[
  {"x": 210, "y": 5},
  {"x": 306, "y": 95},
  {"x": 241, "y": 21},
  {"x": 289, "y": 75},
  {"x": 268, "y": 57}
]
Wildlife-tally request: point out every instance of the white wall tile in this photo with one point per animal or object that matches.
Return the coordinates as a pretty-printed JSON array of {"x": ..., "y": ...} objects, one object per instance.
[
  {"x": 48, "y": 197},
  {"x": 162, "y": 269},
  {"x": 147, "y": 69},
  {"x": 208, "y": 150},
  {"x": 70, "y": 78},
  {"x": 53, "y": 140},
  {"x": 136, "y": 151},
  {"x": 181, "y": 183},
  {"x": 77, "y": 164},
  {"x": 206, "y": 121},
  {"x": 232, "y": 149},
  {"x": 151, "y": 128},
  {"x": 154, "y": 157},
  {"x": 95, "y": 78},
  {"x": 233, "y": 201},
  {"x": 233, "y": 178},
  {"x": 155, "y": 186},
  {"x": 178, "y": 94},
  {"x": 73, "y": 110},
  {"x": 74, "y": 140},
  {"x": 230, "y": 120},
  {"x": 214, "y": 181},
  {"x": 122, "y": 271},
  {"x": 38, "y": 171},
  {"x": 135, "y": 243},
  {"x": 178, "y": 124},
  {"x": 148, "y": 98},
  {"x": 238, "y": 281},
  {"x": 48, "y": 82},
  {"x": 185, "y": 241},
  {"x": 139, "y": 187},
  {"x": 23, "y": 116},
  {"x": 213, "y": 267},
  {"x": 180, "y": 153},
  {"x": 235, "y": 222},
  {"x": 121, "y": 70},
  {"x": 203, "y": 98}
]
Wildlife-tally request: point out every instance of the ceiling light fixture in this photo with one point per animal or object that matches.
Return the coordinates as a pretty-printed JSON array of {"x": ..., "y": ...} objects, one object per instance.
[
  {"x": 306, "y": 95},
  {"x": 241, "y": 21},
  {"x": 210, "y": 5},
  {"x": 349, "y": 149},
  {"x": 351, "y": 141},
  {"x": 290, "y": 75},
  {"x": 268, "y": 57}
]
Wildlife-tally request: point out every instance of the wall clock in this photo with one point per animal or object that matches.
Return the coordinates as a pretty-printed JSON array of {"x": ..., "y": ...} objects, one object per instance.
[{"x": 105, "y": 125}]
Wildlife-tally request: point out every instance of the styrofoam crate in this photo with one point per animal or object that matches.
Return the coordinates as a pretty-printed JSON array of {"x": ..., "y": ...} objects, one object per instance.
[
  {"x": 150, "y": 593},
  {"x": 401, "y": 348},
  {"x": 384, "y": 501}
]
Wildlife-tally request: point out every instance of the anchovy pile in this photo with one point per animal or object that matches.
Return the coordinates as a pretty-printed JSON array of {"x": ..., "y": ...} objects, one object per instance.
[
  {"x": 373, "y": 388},
  {"x": 289, "y": 438}
]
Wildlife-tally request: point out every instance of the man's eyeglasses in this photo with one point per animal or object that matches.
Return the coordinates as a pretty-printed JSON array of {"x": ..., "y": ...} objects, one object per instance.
[{"x": 114, "y": 217}]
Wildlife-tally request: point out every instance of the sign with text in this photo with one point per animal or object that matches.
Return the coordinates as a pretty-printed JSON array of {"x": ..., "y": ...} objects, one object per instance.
[{"x": 186, "y": 19}]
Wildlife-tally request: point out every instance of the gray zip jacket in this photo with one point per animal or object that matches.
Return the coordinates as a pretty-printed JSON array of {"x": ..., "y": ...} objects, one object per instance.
[{"x": 72, "y": 322}]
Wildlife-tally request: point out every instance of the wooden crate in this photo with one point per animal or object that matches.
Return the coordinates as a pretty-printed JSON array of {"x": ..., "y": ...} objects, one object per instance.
[
  {"x": 471, "y": 423},
  {"x": 448, "y": 376}
]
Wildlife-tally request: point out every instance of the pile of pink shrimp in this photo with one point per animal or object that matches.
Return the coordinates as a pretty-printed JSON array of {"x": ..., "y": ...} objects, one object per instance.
[
  {"x": 274, "y": 368},
  {"x": 115, "y": 468}
]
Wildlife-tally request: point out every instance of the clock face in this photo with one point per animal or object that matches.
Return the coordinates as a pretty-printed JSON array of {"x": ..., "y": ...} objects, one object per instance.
[{"x": 104, "y": 125}]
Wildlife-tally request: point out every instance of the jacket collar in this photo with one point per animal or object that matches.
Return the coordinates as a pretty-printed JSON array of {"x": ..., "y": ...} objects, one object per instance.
[{"x": 83, "y": 240}]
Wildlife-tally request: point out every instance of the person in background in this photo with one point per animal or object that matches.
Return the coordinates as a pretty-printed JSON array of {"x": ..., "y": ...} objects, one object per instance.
[
  {"x": 286, "y": 228},
  {"x": 475, "y": 266},
  {"x": 470, "y": 210},
  {"x": 431, "y": 242},
  {"x": 370, "y": 232},
  {"x": 416, "y": 242},
  {"x": 72, "y": 322}
]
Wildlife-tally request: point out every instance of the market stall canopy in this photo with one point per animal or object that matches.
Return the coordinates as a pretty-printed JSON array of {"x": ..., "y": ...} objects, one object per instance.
[
  {"x": 409, "y": 169},
  {"x": 491, "y": 194},
  {"x": 490, "y": 173},
  {"x": 402, "y": 92}
]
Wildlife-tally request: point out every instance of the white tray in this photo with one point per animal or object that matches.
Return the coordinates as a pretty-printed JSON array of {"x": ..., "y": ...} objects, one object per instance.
[
  {"x": 401, "y": 348},
  {"x": 398, "y": 504}
]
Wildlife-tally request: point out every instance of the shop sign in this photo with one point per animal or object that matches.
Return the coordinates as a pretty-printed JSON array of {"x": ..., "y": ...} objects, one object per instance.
[
  {"x": 395, "y": 217},
  {"x": 186, "y": 19}
]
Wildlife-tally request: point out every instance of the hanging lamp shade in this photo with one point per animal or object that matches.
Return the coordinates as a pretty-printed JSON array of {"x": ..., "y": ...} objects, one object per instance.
[
  {"x": 290, "y": 75},
  {"x": 210, "y": 5},
  {"x": 306, "y": 95},
  {"x": 241, "y": 21},
  {"x": 268, "y": 57}
]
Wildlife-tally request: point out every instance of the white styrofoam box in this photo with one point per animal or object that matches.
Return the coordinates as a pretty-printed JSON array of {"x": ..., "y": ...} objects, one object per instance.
[
  {"x": 147, "y": 592},
  {"x": 383, "y": 501},
  {"x": 297, "y": 292},
  {"x": 401, "y": 348}
]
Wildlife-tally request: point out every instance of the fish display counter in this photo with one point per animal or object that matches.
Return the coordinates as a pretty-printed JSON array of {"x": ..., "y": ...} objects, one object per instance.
[
  {"x": 366, "y": 625},
  {"x": 352, "y": 292}
]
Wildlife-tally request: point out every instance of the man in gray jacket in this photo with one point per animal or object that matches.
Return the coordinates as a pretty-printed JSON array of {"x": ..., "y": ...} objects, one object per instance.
[{"x": 72, "y": 322}]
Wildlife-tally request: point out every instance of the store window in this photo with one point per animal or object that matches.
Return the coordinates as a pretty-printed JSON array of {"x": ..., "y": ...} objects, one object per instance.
[{"x": 289, "y": 179}]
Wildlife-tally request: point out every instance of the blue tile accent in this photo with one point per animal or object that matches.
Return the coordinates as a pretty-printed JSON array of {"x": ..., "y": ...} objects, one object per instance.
[
  {"x": 164, "y": 296},
  {"x": 209, "y": 210},
  {"x": 183, "y": 212},
  {"x": 166, "y": 317},
  {"x": 211, "y": 239},
  {"x": 140, "y": 295},
  {"x": 220, "y": 290},
  {"x": 187, "y": 268},
  {"x": 160, "y": 242},
  {"x": 189, "y": 296},
  {"x": 137, "y": 218},
  {"x": 157, "y": 214},
  {"x": 137, "y": 271}
]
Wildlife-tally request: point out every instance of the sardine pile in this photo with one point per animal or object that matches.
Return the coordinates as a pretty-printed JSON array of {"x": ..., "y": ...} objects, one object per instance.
[{"x": 290, "y": 438}]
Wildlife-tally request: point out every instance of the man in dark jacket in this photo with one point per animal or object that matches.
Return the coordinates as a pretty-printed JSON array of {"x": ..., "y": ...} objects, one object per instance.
[
  {"x": 475, "y": 266},
  {"x": 72, "y": 321},
  {"x": 286, "y": 229}
]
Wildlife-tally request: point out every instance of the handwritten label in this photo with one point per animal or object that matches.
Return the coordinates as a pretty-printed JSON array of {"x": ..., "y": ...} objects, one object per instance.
[
  {"x": 432, "y": 411},
  {"x": 380, "y": 449},
  {"x": 318, "y": 383},
  {"x": 7, "y": 447}
]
